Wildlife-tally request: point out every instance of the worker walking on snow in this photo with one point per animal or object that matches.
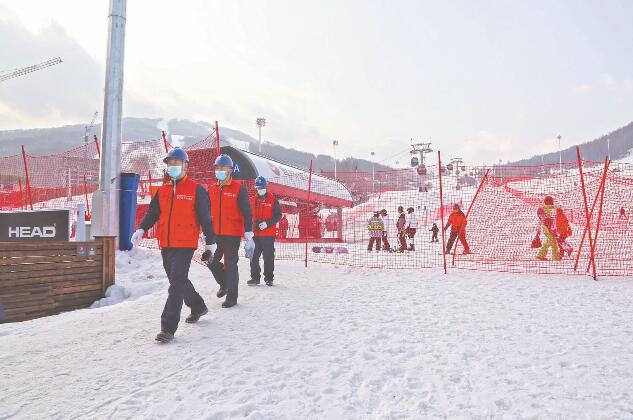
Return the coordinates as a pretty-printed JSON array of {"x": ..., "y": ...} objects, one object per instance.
[
  {"x": 375, "y": 228},
  {"x": 385, "y": 230},
  {"x": 181, "y": 207},
  {"x": 546, "y": 218},
  {"x": 266, "y": 214},
  {"x": 232, "y": 218},
  {"x": 412, "y": 227},
  {"x": 457, "y": 222},
  {"x": 401, "y": 227}
]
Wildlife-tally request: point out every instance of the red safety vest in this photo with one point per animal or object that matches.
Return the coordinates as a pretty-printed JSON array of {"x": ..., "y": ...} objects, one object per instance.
[
  {"x": 225, "y": 211},
  {"x": 178, "y": 225},
  {"x": 262, "y": 211}
]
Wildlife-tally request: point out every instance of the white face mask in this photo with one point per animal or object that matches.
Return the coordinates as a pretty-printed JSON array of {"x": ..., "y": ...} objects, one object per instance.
[{"x": 261, "y": 192}]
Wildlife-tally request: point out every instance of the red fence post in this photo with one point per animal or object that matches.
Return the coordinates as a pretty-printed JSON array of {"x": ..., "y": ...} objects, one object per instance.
[
  {"x": 165, "y": 142},
  {"x": 307, "y": 229},
  {"x": 86, "y": 195},
  {"x": 98, "y": 148},
  {"x": 584, "y": 196},
  {"x": 584, "y": 232},
  {"x": 439, "y": 166},
  {"x": 28, "y": 183},
  {"x": 603, "y": 186},
  {"x": 468, "y": 213},
  {"x": 217, "y": 139},
  {"x": 21, "y": 197}
]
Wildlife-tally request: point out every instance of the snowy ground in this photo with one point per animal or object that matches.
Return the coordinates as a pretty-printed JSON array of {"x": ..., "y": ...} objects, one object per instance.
[{"x": 333, "y": 343}]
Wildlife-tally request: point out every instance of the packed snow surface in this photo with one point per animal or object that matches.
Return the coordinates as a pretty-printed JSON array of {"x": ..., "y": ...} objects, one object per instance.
[{"x": 332, "y": 343}]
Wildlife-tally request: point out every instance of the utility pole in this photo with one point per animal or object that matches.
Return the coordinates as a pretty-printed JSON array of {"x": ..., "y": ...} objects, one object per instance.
[
  {"x": 609, "y": 148},
  {"x": 560, "y": 155},
  {"x": 261, "y": 122},
  {"x": 106, "y": 199},
  {"x": 334, "y": 144}
]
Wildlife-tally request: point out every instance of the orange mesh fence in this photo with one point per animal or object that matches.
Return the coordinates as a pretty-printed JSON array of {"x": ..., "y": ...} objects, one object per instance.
[{"x": 332, "y": 219}]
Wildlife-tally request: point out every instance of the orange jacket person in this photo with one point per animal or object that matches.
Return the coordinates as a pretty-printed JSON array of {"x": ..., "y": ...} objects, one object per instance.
[
  {"x": 232, "y": 218},
  {"x": 181, "y": 208}
]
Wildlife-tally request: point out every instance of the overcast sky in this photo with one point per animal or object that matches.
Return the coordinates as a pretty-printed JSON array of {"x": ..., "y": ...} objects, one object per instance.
[{"x": 486, "y": 80}]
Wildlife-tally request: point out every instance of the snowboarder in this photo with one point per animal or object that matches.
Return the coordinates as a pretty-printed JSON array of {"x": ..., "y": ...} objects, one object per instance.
[
  {"x": 434, "y": 230},
  {"x": 546, "y": 214},
  {"x": 375, "y": 228},
  {"x": 402, "y": 232},
  {"x": 564, "y": 231},
  {"x": 457, "y": 222},
  {"x": 181, "y": 208},
  {"x": 411, "y": 226},
  {"x": 266, "y": 214},
  {"x": 232, "y": 218},
  {"x": 283, "y": 227},
  {"x": 385, "y": 231}
]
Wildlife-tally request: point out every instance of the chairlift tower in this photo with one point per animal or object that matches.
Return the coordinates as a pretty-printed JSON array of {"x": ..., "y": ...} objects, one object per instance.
[{"x": 420, "y": 149}]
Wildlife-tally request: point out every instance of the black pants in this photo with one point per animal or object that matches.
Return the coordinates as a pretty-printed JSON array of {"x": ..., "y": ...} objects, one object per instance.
[
  {"x": 402, "y": 239},
  {"x": 176, "y": 262},
  {"x": 226, "y": 275},
  {"x": 434, "y": 237},
  {"x": 371, "y": 243},
  {"x": 385, "y": 241},
  {"x": 264, "y": 245}
]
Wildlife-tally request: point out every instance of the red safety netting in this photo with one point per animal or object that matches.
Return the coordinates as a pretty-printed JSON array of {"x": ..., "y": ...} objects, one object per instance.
[{"x": 328, "y": 219}]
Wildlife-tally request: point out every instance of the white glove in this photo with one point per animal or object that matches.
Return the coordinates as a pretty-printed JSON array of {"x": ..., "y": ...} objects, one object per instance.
[
  {"x": 211, "y": 248},
  {"x": 137, "y": 236},
  {"x": 249, "y": 248},
  {"x": 249, "y": 235},
  {"x": 263, "y": 225}
]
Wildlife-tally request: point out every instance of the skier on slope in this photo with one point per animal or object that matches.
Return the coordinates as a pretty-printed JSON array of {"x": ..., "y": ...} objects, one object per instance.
[
  {"x": 546, "y": 213},
  {"x": 434, "y": 230},
  {"x": 375, "y": 228},
  {"x": 385, "y": 231},
  {"x": 232, "y": 218},
  {"x": 402, "y": 232},
  {"x": 266, "y": 213},
  {"x": 412, "y": 227},
  {"x": 564, "y": 231},
  {"x": 181, "y": 208},
  {"x": 457, "y": 222}
]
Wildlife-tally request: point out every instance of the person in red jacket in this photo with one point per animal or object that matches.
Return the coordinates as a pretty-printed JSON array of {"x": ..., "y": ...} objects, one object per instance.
[
  {"x": 457, "y": 222},
  {"x": 266, "y": 214},
  {"x": 283, "y": 227},
  {"x": 181, "y": 208},
  {"x": 232, "y": 218}
]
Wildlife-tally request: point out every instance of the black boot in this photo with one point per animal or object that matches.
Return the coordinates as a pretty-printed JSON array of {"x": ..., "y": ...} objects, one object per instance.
[
  {"x": 253, "y": 282},
  {"x": 195, "y": 316},
  {"x": 221, "y": 292},
  {"x": 164, "y": 337},
  {"x": 229, "y": 302},
  {"x": 269, "y": 282}
]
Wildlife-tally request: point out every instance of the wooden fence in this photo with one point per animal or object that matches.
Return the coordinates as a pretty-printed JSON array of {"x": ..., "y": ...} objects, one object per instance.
[{"x": 40, "y": 279}]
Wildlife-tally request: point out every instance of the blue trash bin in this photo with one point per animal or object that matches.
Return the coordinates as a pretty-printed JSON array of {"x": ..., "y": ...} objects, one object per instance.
[{"x": 127, "y": 209}]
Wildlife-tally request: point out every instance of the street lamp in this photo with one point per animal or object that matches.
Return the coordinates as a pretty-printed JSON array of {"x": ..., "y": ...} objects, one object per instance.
[
  {"x": 373, "y": 177},
  {"x": 334, "y": 144},
  {"x": 261, "y": 122},
  {"x": 560, "y": 155}
]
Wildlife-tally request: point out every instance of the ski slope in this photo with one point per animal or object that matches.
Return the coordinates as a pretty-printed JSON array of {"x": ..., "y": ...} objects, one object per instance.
[{"x": 332, "y": 343}]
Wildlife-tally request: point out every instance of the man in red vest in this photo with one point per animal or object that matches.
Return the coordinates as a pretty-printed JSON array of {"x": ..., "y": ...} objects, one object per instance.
[
  {"x": 232, "y": 218},
  {"x": 266, "y": 214},
  {"x": 181, "y": 208}
]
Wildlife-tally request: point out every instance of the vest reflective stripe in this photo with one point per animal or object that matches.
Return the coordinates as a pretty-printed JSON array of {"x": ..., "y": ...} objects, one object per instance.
[
  {"x": 178, "y": 225},
  {"x": 262, "y": 211},
  {"x": 225, "y": 211}
]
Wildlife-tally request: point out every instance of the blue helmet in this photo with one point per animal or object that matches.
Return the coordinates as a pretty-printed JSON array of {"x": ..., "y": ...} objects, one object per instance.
[
  {"x": 177, "y": 153},
  {"x": 224, "y": 160},
  {"x": 260, "y": 182}
]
